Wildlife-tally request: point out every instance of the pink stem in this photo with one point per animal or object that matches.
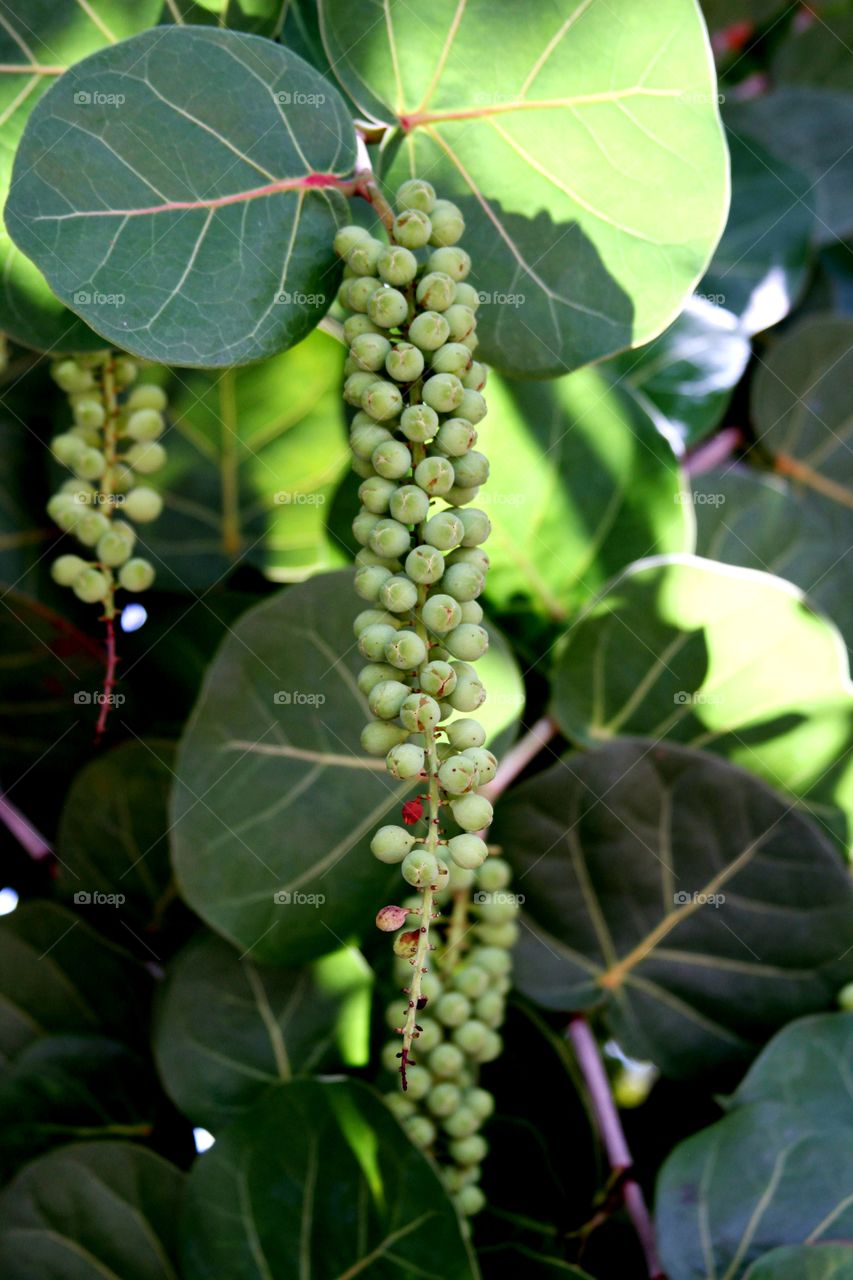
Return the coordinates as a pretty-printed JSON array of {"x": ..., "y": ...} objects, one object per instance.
[
  {"x": 713, "y": 452},
  {"x": 109, "y": 680},
  {"x": 31, "y": 840},
  {"x": 613, "y": 1137},
  {"x": 519, "y": 757}
]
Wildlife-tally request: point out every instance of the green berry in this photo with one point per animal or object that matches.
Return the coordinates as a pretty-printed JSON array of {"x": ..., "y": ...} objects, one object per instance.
[
  {"x": 472, "y": 813},
  {"x": 443, "y": 392},
  {"x": 440, "y": 613},
  {"x": 397, "y": 265},
  {"x": 399, "y": 594},
  {"x": 475, "y": 378},
  {"x": 420, "y": 869},
  {"x": 391, "y": 844},
  {"x": 458, "y": 495},
  {"x": 453, "y": 357},
  {"x": 401, "y": 1105},
  {"x": 358, "y": 292},
  {"x": 143, "y": 504},
  {"x": 430, "y": 1033},
  {"x": 473, "y": 406},
  {"x": 452, "y": 1009},
  {"x": 469, "y": 693},
  {"x": 421, "y": 1130},
  {"x": 379, "y": 737},
  {"x": 405, "y": 760},
  {"x": 70, "y": 377},
  {"x": 462, "y": 1123},
  {"x": 464, "y": 734},
  {"x": 446, "y": 1060},
  {"x": 468, "y": 851},
  {"x": 369, "y": 676},
  {"x": 455, "y": 437},
  {"x": 471, "y": 1150},
  {"x": 375, "y": 494},
  {"x": 420, "y": 1083},
  {"x": 436, "y": 292},
  {"x": 419, "y": 423},
  {"x": 471, "y": 1037},
  {"x": 356, "y": 325},
  {"x": 467, "y": 641},
  {"x": 419, "y": 713},
  {"x": 90, "y": 464},
  {"x": 487, "y": 765},
  {"x": 136, "y": 575},
  {"x": 429, "y": 331},
  {"x": 369, "y": 579},
  {"x": 372, "y": 641},
  {"x": 415, "y": 194},
  {"x": 405, "y": 362},
  {"x": 147, "y": 396},
  {"x": 493, "y": 959},
  {"x": 443, "y": 1098},
  {"x": 458, "y": 775},
  {"x": 125, "y": 371},
  {"x": 469, "y": 1200},
  {"x": 425, "y": 564},
  {"x": 366, "y": 435},
  {"x": 476, "y": 525},
  {"x": 369, "y": 351},
  {"x": 66, "y": 569},
  {"x": 391, "y": 459},
  {"x": 471, "y": 555},
  {"x": 437, "y": 678},
  {"x": 435, "y": 476},
  {"x": 471, "y": 469},
  {"x": 460, "y": 878},
  {"x": 471, "y": 980},
  {"x": 65, "y": 511},
  {"x": 452, "y": 262},
  {"x": 412, "y": 228},
  {"x": 369, "y": 618},
  {"x": 467, "y": 295},
  {"x": 364, "y": 256},
  {"x": 431, "y": 984},
  {"x": 464, "y": 582},
  {"x": 90, "y": 527},
  {"x": 409, "y": 504},
  {"x": 91, "y": 586},
  {"x": 495, "y": 874},
  {"x": 146, "y": 457},
  {"x": 382, "y": 400},
  {"x": 356, "y": 385},
  {"x": 67, "y": 448},
  {"x": 144, "y": 424},
  {"x": 365, "y": 556},
  {"x": 112, "y": 549},
  {"x": 444, "y": 531},
  {"x": 388, "y": 308},
  {"x": 386, "y": 698},
  {"x": 346, "y": 238},
  {"x": 499, "y": 935},
  {"x": 461, "y": 323},
  {"x": 405, "y": 650},
  {"x": 448, "y": 225}
]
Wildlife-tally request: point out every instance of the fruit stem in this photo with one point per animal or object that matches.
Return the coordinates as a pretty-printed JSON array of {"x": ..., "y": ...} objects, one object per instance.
[
  {"x": 109, "y": 675},
  {"x": 613, "y": 1137},
  {"x": 456, "y": 930},
  {"x": 520, "y": 755}
]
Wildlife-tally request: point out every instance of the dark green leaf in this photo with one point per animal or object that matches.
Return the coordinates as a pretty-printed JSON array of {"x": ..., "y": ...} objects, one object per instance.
[
  {"x": 322, "y": 1172},
  {"x": 90, "y": 1211},
  {"x": 716, "y": 657},
  {"x": 168, "y": 189},
  {"x": 805, "y": 1262},
  {"x": 806, "y": 1066},
  {"x": 275, "y": 795},
  {"x": 227, "y": 1030},
  {"x": 583, "y": 145},
  {"x": 817, "y": 54},
  {"x": 699, "y": 906},
  {"x": 792, "y": 1184}
]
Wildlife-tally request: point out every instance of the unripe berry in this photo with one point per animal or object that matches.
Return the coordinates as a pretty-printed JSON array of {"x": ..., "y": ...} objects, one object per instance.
[
  {"x": 431, "y": 984},
  {"x": 148, "y": 396},
  {"x": 412, "y": 228},
  {"x": 386, "y": 698},
  {"x": 437, "y": 678},
  {"x": 70, "y": 377},
  {"x": 419, "y": 713},
  {"x": 147, "y": 457},
  {"x": 429, "y": 331},
  {"x": 66, "y": 569},
  {"x": 476, "y": 525},
  {"x": 143, "y": 504},
  {"x": 363, "y": 258},
  {"x": 65, "y": 511},
  {"x": 467, "y": 641},
  {"x": 458, "y": 775},
  {"x": 425, "y": 564},
  {"x": 409, "y": 504},
  {"x": 499, "y": 935},
  {"x": 448, "y": 225},
  {"x": 346, "y": 238},
  {"x": 366, "y": 556},
  {"x": 452, "y": 1009},
  {"x": 471, "y": 980},
  {"x": 354, "y": 326},
  {"x": 375, "y": 494},
  {"x": 112, "y": 549},
  {"x": 444, "y": 531},
  {"x": 446, "y": 1060},
  {"x": 390, "y": 539},
  {"x": 455, "y": 437},
  {"x": 475, "y": 377},
  {"x": 471, "y": 469},
  {"x": 405, "y": 650},
  {"x": 399, "y": 594},
  {"x": 469, "y": 693},
  {"x": 443, "y": 392},
  {"x": 388, "y": 308},
  {"x": 382, "y": 400},
  {"x": 461, "y": 323},
  {"x": 473, "y": 406},
  {"x": 471, "y": 555},
  {"x": 91, "y": 526},
  {"x": 440, "y": 613},
  {"x": 401, "y": 1105},
  {"x": 436, "y": 291},
  {"x": 397, "y": 265},
  {"x": 369, "y": 618},
  {"x": 435, "y": 476},
  {"x": 420, "y": 1083},
  {"x": 453, "y": 358},
  {"x": 421, "y": 1130},
  {"x": 464, "y": 734},
  {"x": 372, "y": 641},
  {"x": 144, "y": 424},
  {"x": 467, "y": 295},
  {"x": 462, "y": 1123},
  {"x": 391, "y": 844},
  {"x": 418, "y": 422},
  {"x": 469, "y": 1200},
  {"x": 356, "y": 294},
  {"x": 380, "y": 737},
  {"x": 90, "y": 464},
  {"x": 369, "y": 579},
  {"x": 430, "y": 1033},
  {"x": 405, "y": 362},
  {"x": 369, "y": 676},
  {"x": 364, "y": 439},
  {"x": 463, "y": 582},
  {"x": 416, "y": 193},
  {"x": 468, "y": 851},
  {"x": 487, "y": 767},
  {"x": 369, "y": 351},
  {"x": 460, "y": 878},
  {"x": 452, "y": 262},
  {"x": 91, "y": 586},
  {"x": 89, "y": 413},
  {"x": 420, "y": 869},
  {"x": 471, "y": 1150},
  {"x": 406, "y": 760},
  {"x": 458, "y": 495},
  {"x": 67, "y": 448},
  {"x": 443, "y": 1098},
  {"x": 471, "y": 1037},
  {"x": 494, "y": 960},
  {"x": 472, "y": 812}
]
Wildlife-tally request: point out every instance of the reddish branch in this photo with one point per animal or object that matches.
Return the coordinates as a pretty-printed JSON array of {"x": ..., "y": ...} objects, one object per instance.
[{"x": 109, "y": 679}]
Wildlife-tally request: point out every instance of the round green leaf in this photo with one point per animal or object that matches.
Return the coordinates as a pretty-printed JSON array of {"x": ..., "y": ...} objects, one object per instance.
[
  {"x": 719, "y": 657},
  {"x": 92, "y": 1210},
  {"x": 791, "y": 1185},
  {"x": 765, "y": 522},
  {"x": 681, "y": 893},
  {"x": 39, "y": 39},
  {"x": 804, "y": 1262},
  {"x": 685, "y": 378},
  {"x": 589, "y": 163},
  {"x": 275, "y": 801},
  {"x": 321, "y": 1171},
  {"x": 581, "y": 483},
  {"x": 805, "y": 1066},
  {"x": 254, "y": 455},
  {"x": 759, "y": 268},
  {"x": 177, "y": 191},
  {"x": 227, "y": 1031}
]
